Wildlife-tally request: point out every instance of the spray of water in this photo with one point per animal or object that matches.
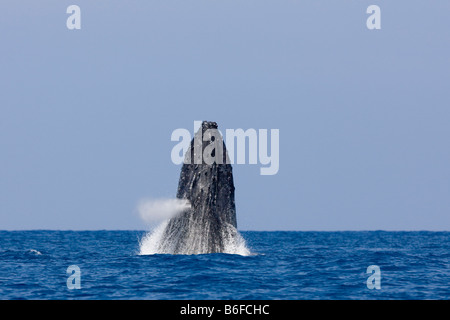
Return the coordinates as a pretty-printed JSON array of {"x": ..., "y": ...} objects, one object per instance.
[
  {"x": 152, "y": 242},
  {"x": 157, "y": 210},
  {"x": 162, "y": 210}
]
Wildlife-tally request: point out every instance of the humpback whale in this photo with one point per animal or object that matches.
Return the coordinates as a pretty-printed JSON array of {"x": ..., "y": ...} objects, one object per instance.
[{"x": 209, "y": 225}]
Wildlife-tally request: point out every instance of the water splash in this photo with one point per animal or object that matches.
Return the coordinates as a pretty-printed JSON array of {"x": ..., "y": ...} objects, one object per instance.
[
  {"x": 156, "y": 210},
  {"x": 154, "y": 243},
  {"x": 35, "y": 252}
]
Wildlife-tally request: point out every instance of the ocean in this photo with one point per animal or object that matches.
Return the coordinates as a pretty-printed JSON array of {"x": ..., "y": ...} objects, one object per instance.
[{"x": 277, "y": 265}]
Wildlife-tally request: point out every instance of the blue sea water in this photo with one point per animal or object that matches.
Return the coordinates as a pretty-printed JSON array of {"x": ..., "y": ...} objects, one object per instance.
[{"x": 283, "y": 265}]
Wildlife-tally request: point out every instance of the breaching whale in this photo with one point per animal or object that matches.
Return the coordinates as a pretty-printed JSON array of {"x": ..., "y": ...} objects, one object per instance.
[{"x": 206, "y": 181}]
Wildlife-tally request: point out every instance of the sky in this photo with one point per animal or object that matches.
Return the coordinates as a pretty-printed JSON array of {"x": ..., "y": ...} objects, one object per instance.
[{"x": 86, "y": 116}]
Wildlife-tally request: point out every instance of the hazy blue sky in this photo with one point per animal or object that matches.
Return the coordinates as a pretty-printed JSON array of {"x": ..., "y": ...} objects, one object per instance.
[{"x": 364, "y": 115}]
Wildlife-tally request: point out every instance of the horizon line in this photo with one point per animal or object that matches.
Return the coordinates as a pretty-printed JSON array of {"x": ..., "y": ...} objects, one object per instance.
[{"x": 285, "y": 230}]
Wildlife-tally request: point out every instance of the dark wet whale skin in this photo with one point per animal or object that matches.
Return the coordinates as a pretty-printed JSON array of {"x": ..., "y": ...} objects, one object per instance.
[{"x": 210, "y": 190}]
